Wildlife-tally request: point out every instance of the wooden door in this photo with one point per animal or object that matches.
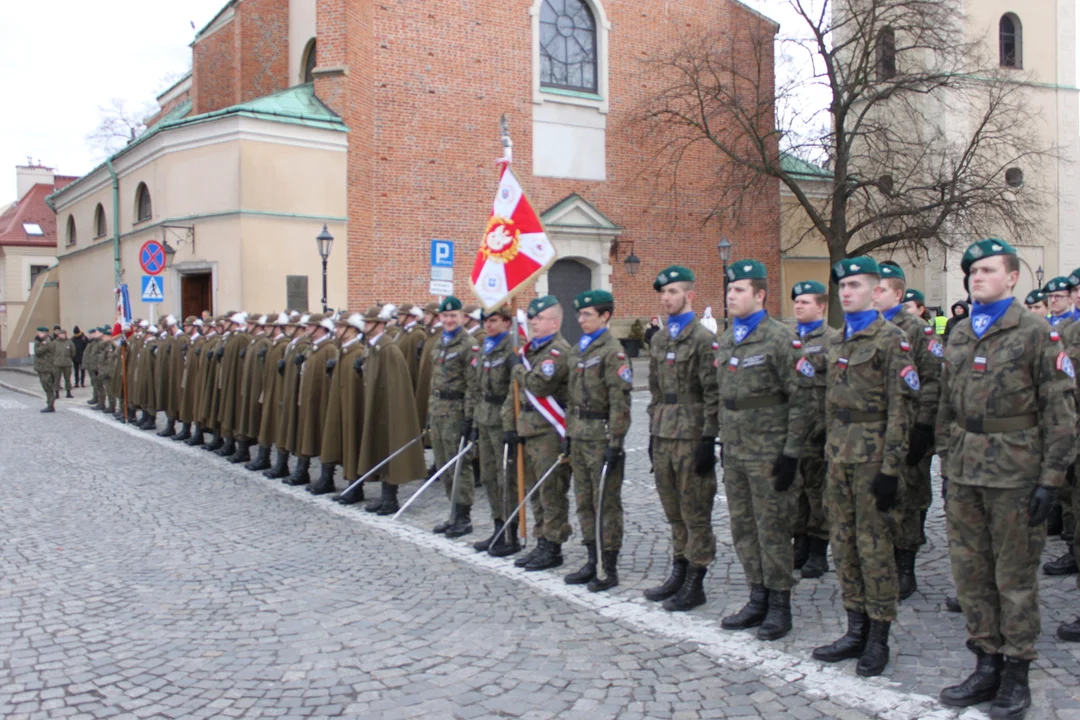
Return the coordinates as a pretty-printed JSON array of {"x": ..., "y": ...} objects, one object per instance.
[{"x": 195, "y": 295}]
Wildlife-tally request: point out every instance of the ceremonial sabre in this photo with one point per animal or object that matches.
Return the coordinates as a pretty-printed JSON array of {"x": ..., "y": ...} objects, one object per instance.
[
  {"x": 432, "y": 479},
  {"x": 530, "y": 494},
  {"x": 600, "y": 522},
  {"x": 457, "y": 478},
  {"x": 388, "y": 458}
]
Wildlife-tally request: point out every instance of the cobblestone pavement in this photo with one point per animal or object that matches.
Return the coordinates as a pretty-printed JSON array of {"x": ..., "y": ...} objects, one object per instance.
[{"x": 142, "y": 579}]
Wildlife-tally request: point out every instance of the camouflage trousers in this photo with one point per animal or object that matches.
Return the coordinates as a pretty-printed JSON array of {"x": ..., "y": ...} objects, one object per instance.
[
  {"x": 49, "y": 380},
  {"x": 915, "y": 498},
  {"x": 492, "y": 477},
  {"x": 65, "y": 374},
  {"x": 445, "y": 435},
  {"x": 1069, "y": 516},
  {"x": 862, "y": 541},
  {"x": 587, "y": 462},
  {"x": 810, "y": 498},
  {"x": 761, "y": 521},
  {"x": 550, "y": 504},
  {"x": 687, "y": 499},
  {"x": 995, "y": 563}
]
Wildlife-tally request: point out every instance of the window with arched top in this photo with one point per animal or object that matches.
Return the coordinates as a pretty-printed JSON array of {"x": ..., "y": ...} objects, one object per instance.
[
  {"x": 885, "y": 54},
  {"x": 71, "y": 238},
  {"x": 307, "y": 67},
  {"x": 99, "y": 222},
  {"x": 568, "y": 46},
  {"x": 1010, "y": 41},
  {"x": 143, "y": 209}
]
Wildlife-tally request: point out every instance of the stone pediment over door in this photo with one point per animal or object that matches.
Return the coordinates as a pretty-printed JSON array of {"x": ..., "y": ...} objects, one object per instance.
[{"x": 579, "y": 231}]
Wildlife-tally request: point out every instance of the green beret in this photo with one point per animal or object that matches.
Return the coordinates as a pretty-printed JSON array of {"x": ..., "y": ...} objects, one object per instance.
[
  {"x": 862, "y": 265},
  {"x": 541, "y": 304},
  {"x": 503, "y": 312},
  {"x": 105, "y": 329},
  {"x": 1058, "y": 284},
  {"x": 450, "y": 303},
  {"x": 592, "y": 298},
  {"x": 1074, "y": 278},
  {"x": 915, "y": 295},
  {"x": 985, "y": 248},
  {"x": 672, "y": 273},
  {"x": 808, "y": 287},
  {"x": 1035, "y": 296},
  {"x": 889, "y": 269},
  {"x": 746, "y": 270},
  {"x": 42, "y": 328}
]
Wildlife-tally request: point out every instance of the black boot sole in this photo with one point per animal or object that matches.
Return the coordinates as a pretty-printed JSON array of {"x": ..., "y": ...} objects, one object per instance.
[
  {"x": 555, "y": 563},
  {"x": 694, "y": 602}
]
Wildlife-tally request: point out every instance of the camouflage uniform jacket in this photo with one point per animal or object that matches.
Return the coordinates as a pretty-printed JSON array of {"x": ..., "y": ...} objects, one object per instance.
[
  {"x": 453, "y": 377},
  {"x": 547, "y": 377},
  {"x": 599, "y": 392},
  {"x": 871, "y": 382},
  {"x": 928, "y": 353},
  {"x": 768, "y": 375},
  {"x": 45, "y": 355},
  {"x": 1071, "y": 337},
  {"x": 683, "y": 384},
  {"x": 65, "y": 352},
  {"x": 816, "y": 346},
  {"x": 493, "y": 383},
  {"x": 1018, "y": 377}
]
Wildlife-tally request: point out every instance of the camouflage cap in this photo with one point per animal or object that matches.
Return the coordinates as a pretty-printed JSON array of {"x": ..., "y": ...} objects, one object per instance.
[
  {"x": 984, "y": 249},
  {"x": 746, "y": 270},
  {"x": 916, "y": 295},
  {"x": 541, "y": 304},
  {"x": 808, "y": 287},
  {"x": 1058, "y": 284},
  {"x": 889, "y": 269},
  {"x": 850, "y": 267},
  {"x": 592, "y": 298},
  {"x": 673, "y": 273},
  {"x": 503, "y": 312},
  {"x": 449, "y": 304},
  {"x": 1035, "y": 296}
]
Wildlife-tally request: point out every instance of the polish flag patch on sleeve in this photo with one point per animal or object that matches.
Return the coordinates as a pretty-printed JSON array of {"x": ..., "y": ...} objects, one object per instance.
[
  {"x": 797, "y": 344},
  {"x": 1054, "y": 336},
  {"x": 905, "y": 346}
]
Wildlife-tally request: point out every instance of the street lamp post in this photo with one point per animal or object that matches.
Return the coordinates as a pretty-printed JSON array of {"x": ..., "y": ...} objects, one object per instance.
[
  {"x": 325, "y": 241},
  {"x": 632, "y": 262},
  {"x": 724, "y": 247},
  {"x": 1039, "y": 276}
]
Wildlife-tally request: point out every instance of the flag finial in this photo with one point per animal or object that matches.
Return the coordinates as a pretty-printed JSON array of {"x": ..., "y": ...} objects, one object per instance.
[{"x": 507, "y": 143}]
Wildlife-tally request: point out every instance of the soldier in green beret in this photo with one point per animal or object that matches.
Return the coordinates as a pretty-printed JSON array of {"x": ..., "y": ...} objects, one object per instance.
[
  {"x": 64, "y": 360},
  {"x": 916, "y": 494},
  {"x": 1036, "y": 302},
  {"x": 44, "y": 358},
  {"x": 765, "y": 403},
  {"x": 597, "y": 419},
  {"x": 810, "y": 301},
  {"x": 871, "y": 382},
  {"x": 1059, "y": 300},
  {"x": 915, "y": 303},
  {"x": 1006, "y": 433},
  {"x": 682, "y": 438},
  {"x": 90, "y": 363}
]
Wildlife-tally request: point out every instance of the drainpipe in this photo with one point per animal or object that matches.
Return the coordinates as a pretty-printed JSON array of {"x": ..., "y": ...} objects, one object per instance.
[{"x": 116, "y": 220}]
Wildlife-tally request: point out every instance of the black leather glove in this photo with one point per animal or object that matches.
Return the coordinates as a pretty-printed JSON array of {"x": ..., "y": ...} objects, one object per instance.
[
  {"x": 262, "y": 354},
  {"x": 564, "y": 447},
  {"x": 299, "y": 359},
  {"x": 884, "y": 488},
  {"x": 704, "y": 456},
  {"x": 198, "y": 352},
  {"x": 512, "y": 360},
  {"x": 1040, "y": 504},
  {"x": 919, "y": 442},
  {"x": 330, "y": 365},
  {"x": 153, "y": 350},
  {"x": 784, "y": 472},
  {"x": 613, "y": 456},
  {"x": 469, "y": 432},
  {"x": 243, "y": 352},
  {"x": 281, "y": 367},
  {"x": 220, "y": 352},
  {"x": 944, "y": 488},
  {"x": 511, "y": 438},
  {"x": 358, "y": 365}
]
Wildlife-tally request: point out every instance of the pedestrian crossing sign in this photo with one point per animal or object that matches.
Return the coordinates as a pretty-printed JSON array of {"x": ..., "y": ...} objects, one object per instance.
[{"x": 152, "y": 289}]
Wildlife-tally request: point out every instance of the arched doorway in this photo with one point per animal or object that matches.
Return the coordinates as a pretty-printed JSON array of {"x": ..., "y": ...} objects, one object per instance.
[{"x": 566, "y": 280}]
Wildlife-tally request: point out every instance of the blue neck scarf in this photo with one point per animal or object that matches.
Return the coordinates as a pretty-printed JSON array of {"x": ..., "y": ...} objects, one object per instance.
[
  {"x": 890, "y": 314},
  {"x": 984, "y": 316},
  {"x": 587, "y": 339},
  {"x": 490, "y": 343},
  {"x": 538, "y": 342},
  {"x": 856, "y": 321},
  {"x": 448, "y": 337},
  {"x": 742, "y": 327},
  {"x": 1055, "y": 320},
  {"x": 807, "y": 328},
  {"x": 676, "y": 323}
]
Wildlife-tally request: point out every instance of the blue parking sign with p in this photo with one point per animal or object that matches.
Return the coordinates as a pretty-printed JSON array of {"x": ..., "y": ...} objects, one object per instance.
[{"x": 442, "y": 253}]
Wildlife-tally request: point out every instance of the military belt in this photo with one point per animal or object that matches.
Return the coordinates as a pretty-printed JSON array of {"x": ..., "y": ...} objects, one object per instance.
[
  {"x": 494, "y": 398},
  {"x": 677, "y": 398},
  {"x": 448, "y": 394},
  {"x": 590, "y": 414},
  {"x": 847, "y": 415},
  {"x": 755, "y": 403},
  {"x": 983, "y": 425}
]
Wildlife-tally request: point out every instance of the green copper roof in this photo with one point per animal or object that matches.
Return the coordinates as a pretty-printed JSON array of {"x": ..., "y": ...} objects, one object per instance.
[{"x": 803, "y": 169}]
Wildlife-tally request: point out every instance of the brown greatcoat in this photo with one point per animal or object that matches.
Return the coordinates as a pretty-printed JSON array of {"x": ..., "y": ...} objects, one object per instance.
[
  {"x": 389, "y": 424},
  {"x": 210, "y": 385},
  {"x": 411, "y": 343},
  {"x": 177, "y": 356},
  {"x": 422, "y": 391},
  {"x": 314, "y": 396},
  {"x": 191, "y": 383},
  {"x": 230, "y": 375},
  {"x": 145, "y": 389},
  {"x": 251, "y": 385},
  {"x": 345, "y": 412},
  {"x": 273, "y": 383},
  {"x": 134, "y": 346},
  {"x": 289, "y": 414}
]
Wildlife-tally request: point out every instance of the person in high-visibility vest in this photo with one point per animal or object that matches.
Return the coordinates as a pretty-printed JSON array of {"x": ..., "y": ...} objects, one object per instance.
[{"x": 939, "y": 324}]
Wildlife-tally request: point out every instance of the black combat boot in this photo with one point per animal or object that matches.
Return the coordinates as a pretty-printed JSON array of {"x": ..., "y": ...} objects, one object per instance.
[
  {"x": 953, "y": 605},
  {"x": 215, "y": 442},
  {"x": 851, "y": 644},
  {"x": 1064, "y": 565},
  {"x": 1070, "y": 632},
  {"x": 325, "y": 484},
  {"x": 100, "y": 407},
  {"x": 550, "y": 556},
  {"x": 147, "y": 421},
  {"x": 506, "y": 545},
  {"x": 196, "y": 438},
  {"x": 281, "y": 466},
  {"x": 818, "y": 562},
  {"x": 777, "y": 622},
  {"x": 441, "y": 527},
  {"x": 981, "y": 686},
  {"x": 752, "y": 614},
  {"x": 227, "y": 448},
  {"x": 610, "y": 558},
  {"x": 801, "y": 550},
  {"x": 876, "y": 655},
  {"x": 483, "y": 545},
  {"x": 389, "y": 504},
  {"x": 243, "y": 452},
  {"x": 1013, "y": 696},
  {"x": 587, "y": 571},
  {"x": 184, "y": 434},
  {"x": 692, "y": 592},
  {"x": 261, "y": 461},
  {"x": 69, "y": 395},
  {"x": 374, "y": 505},
  {"x": 170, "y": 428},
  {"x": 300, "y": 475},
  {"x": 462, "y": 524},
  {"x": 350, "y": 497},
  {"x": 48, "y": 409},
  {"x": 529, "y": 556},
  {"x": 669, "y": 587},
  {"x": 1055, "y": 523},
  {"x": 905, "y": 572}
]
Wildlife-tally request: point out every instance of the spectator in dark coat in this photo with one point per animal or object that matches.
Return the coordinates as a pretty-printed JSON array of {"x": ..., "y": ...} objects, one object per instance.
[
  {"x": 654, "y": 325},
  {"x": 80, "y": 342},
  {"x": 959, "y": 312}
]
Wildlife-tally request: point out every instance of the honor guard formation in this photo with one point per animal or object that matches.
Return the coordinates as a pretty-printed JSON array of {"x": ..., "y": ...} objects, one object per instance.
[{"x": 825, "y": 436}]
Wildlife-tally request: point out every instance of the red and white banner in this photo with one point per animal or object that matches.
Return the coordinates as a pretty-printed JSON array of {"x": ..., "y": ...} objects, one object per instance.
[
  {"x": 546, "y": 406},
  {"x": 515, "y": 248}
]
